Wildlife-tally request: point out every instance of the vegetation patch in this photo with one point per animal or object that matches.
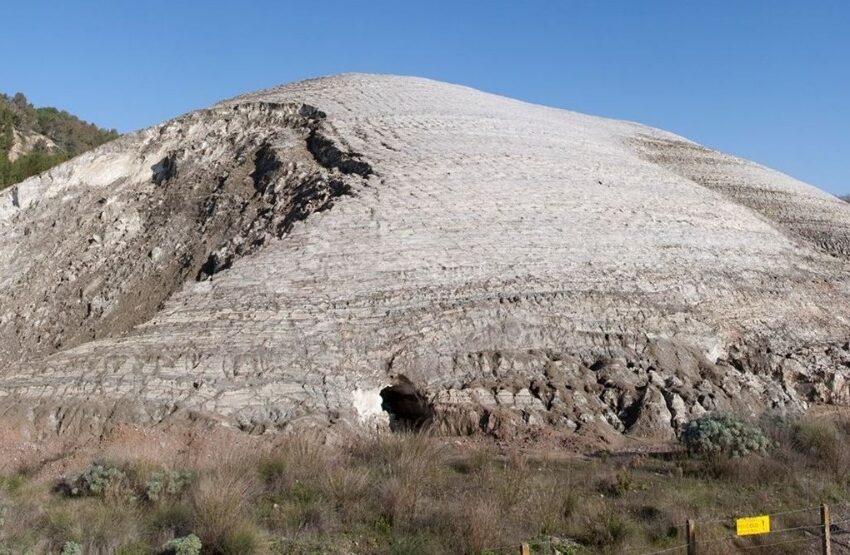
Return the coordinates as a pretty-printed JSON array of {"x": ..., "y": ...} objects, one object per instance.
[
  {"x": 68, "y": 135},
  {"x": 409, "y": 493},
  {"x": 724, "y": 434}
]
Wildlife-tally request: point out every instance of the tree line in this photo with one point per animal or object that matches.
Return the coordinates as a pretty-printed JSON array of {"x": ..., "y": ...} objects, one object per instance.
[{"x": 71, "y": 136}]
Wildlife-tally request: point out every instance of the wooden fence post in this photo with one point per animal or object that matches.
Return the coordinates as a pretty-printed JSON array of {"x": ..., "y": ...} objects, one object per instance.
[
  {"x": 525, "y": 550},
  {"x": 826, "y": 521},
  {"x": 692, "y": 537}
]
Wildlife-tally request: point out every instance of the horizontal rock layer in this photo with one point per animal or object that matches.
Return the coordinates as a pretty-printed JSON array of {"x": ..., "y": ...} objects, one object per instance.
[{"x": 281, "y": 258}]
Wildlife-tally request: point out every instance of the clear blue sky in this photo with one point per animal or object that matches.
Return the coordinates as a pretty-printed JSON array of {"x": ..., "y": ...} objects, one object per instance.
[{"x": 767, "y": 80}]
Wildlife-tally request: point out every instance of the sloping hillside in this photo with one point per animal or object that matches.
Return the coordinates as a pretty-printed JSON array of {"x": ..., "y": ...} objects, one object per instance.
[
  {"x": 35, "y": 139},
  {"x": 361, "y": 248}
]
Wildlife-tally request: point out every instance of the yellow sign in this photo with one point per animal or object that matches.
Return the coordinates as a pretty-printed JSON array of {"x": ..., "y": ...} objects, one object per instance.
[{"x": 753, "y": 525}]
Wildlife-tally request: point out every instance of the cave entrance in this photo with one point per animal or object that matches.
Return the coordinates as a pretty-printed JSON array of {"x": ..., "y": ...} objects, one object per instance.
[{"x": 407, "y": 408}]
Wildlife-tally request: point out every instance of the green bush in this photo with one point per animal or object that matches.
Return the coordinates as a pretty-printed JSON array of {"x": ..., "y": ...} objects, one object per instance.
[
  {"x": 72, "y": 548},
  {"x": 97, "y": 480},
  {"x": 168, "y": 483},
  {"x": 724, "y": 434},
  {"x": 187, "y": 545}
]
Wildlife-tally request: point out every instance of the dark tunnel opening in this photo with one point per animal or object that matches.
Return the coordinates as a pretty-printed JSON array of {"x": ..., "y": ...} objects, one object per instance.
[{"x": 407, "y": 408}]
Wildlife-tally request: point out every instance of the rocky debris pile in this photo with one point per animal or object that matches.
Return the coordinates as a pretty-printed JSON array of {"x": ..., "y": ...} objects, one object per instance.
[{"x": 377, "y": 250}]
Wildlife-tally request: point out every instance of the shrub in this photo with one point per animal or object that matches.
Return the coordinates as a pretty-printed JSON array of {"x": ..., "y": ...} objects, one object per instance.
[
  {"x": 405, "y": 465},
  {"x": 477, "y": 524},
  {"x": 171, "y": 519},
  {"x": 169, "y": 483},
  {"x": 606, "y": 529},
  {"x": 724, "y": 434},
  {"x": 272, "y": 469},
  {"x": 622, "y": 484},
  {"x": 816, "y": 439},
  {"x": 243, "y": 541},
  {"x": 187, "y": 545},
  {"x": 97, "y": 480},
  {"x": 57, "y": 524},
  {"x": 72, "y": 548},
  {"x": 221, "y": 505}
]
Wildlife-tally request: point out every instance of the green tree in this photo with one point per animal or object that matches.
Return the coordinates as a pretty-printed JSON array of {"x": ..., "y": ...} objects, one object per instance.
[{"x": 71, "y": 136}]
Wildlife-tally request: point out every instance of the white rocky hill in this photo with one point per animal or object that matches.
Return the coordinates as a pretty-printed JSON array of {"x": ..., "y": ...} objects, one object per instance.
[{"x": 303, "y": 255}]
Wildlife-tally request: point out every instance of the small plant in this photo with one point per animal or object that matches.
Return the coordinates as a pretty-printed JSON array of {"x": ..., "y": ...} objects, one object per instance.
[
  {"x": 222, "y": 505},
  {"x": 13, "y": 483},
  {"x": 724, "y": 434},
  {"x": 816, "y": 439},
  {"x": 625, "y": 482},
  {"x": 272, "y": 469},
  {"x": 97, "y": 480},
  {"x": 606, "y": 529},
  {"x": 244, "y": 541},
  {"x": 187, "y": 545},
  {"x": 173, "y": 519},
  {"x": 169, "y": 483},
  {"x": 408, "y": 545},
  {"x": 72, "y": 548},
  {"x": 134, "y": 548}
]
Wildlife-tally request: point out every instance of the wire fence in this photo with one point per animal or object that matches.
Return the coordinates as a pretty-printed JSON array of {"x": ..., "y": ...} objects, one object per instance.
[{"x": 711, "y": 534}]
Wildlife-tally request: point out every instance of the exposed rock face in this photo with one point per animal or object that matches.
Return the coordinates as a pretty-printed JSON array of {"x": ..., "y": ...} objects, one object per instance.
[
  {"x": 24, "y": 143},
  {"x": 311, "y": 254}
]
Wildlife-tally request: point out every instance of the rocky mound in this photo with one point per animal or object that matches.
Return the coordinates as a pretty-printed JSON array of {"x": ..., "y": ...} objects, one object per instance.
[{"x": 360, "y": 248}]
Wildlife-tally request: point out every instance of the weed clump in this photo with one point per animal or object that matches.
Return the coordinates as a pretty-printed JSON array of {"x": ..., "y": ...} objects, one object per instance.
[{"x": 817, "y": 440}]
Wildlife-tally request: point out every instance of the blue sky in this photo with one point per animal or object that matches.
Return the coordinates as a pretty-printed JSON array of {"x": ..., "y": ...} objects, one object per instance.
[{"x": 767, "y": 80}]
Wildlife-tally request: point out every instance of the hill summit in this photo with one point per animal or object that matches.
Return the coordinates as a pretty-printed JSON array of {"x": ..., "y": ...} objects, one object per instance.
[{"x": 380, "y": 250}]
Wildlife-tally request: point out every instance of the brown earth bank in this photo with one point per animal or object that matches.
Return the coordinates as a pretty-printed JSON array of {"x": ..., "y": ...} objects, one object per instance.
[{"x": 134, "y": 488}]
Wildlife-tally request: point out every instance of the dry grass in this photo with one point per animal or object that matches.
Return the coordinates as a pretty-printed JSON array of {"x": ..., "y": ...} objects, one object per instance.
[{"x": 411, "y": 493}]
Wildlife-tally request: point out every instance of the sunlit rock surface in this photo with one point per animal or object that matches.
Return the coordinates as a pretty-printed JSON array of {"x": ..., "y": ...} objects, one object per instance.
[{"x": 279, "y": 259}]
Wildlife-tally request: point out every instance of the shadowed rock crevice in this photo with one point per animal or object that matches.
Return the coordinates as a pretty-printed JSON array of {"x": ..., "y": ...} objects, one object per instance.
[
  {"x": 328, "y": 155},
  {"x": 165, "y": 169},
  {"x": 266, "y": 166},
  {"x": 407, "y": 408}
]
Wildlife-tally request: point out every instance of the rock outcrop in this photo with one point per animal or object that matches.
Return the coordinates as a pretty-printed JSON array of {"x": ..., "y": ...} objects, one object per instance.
[
  {"x": 25, "y": 143},
  {"x": 358, "y": 250}
]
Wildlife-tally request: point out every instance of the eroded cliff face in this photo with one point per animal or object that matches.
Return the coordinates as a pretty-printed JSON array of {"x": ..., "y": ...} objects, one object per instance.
[
  {"x": 128, "y": 226},
  {"x": 372, "y": 250}
]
